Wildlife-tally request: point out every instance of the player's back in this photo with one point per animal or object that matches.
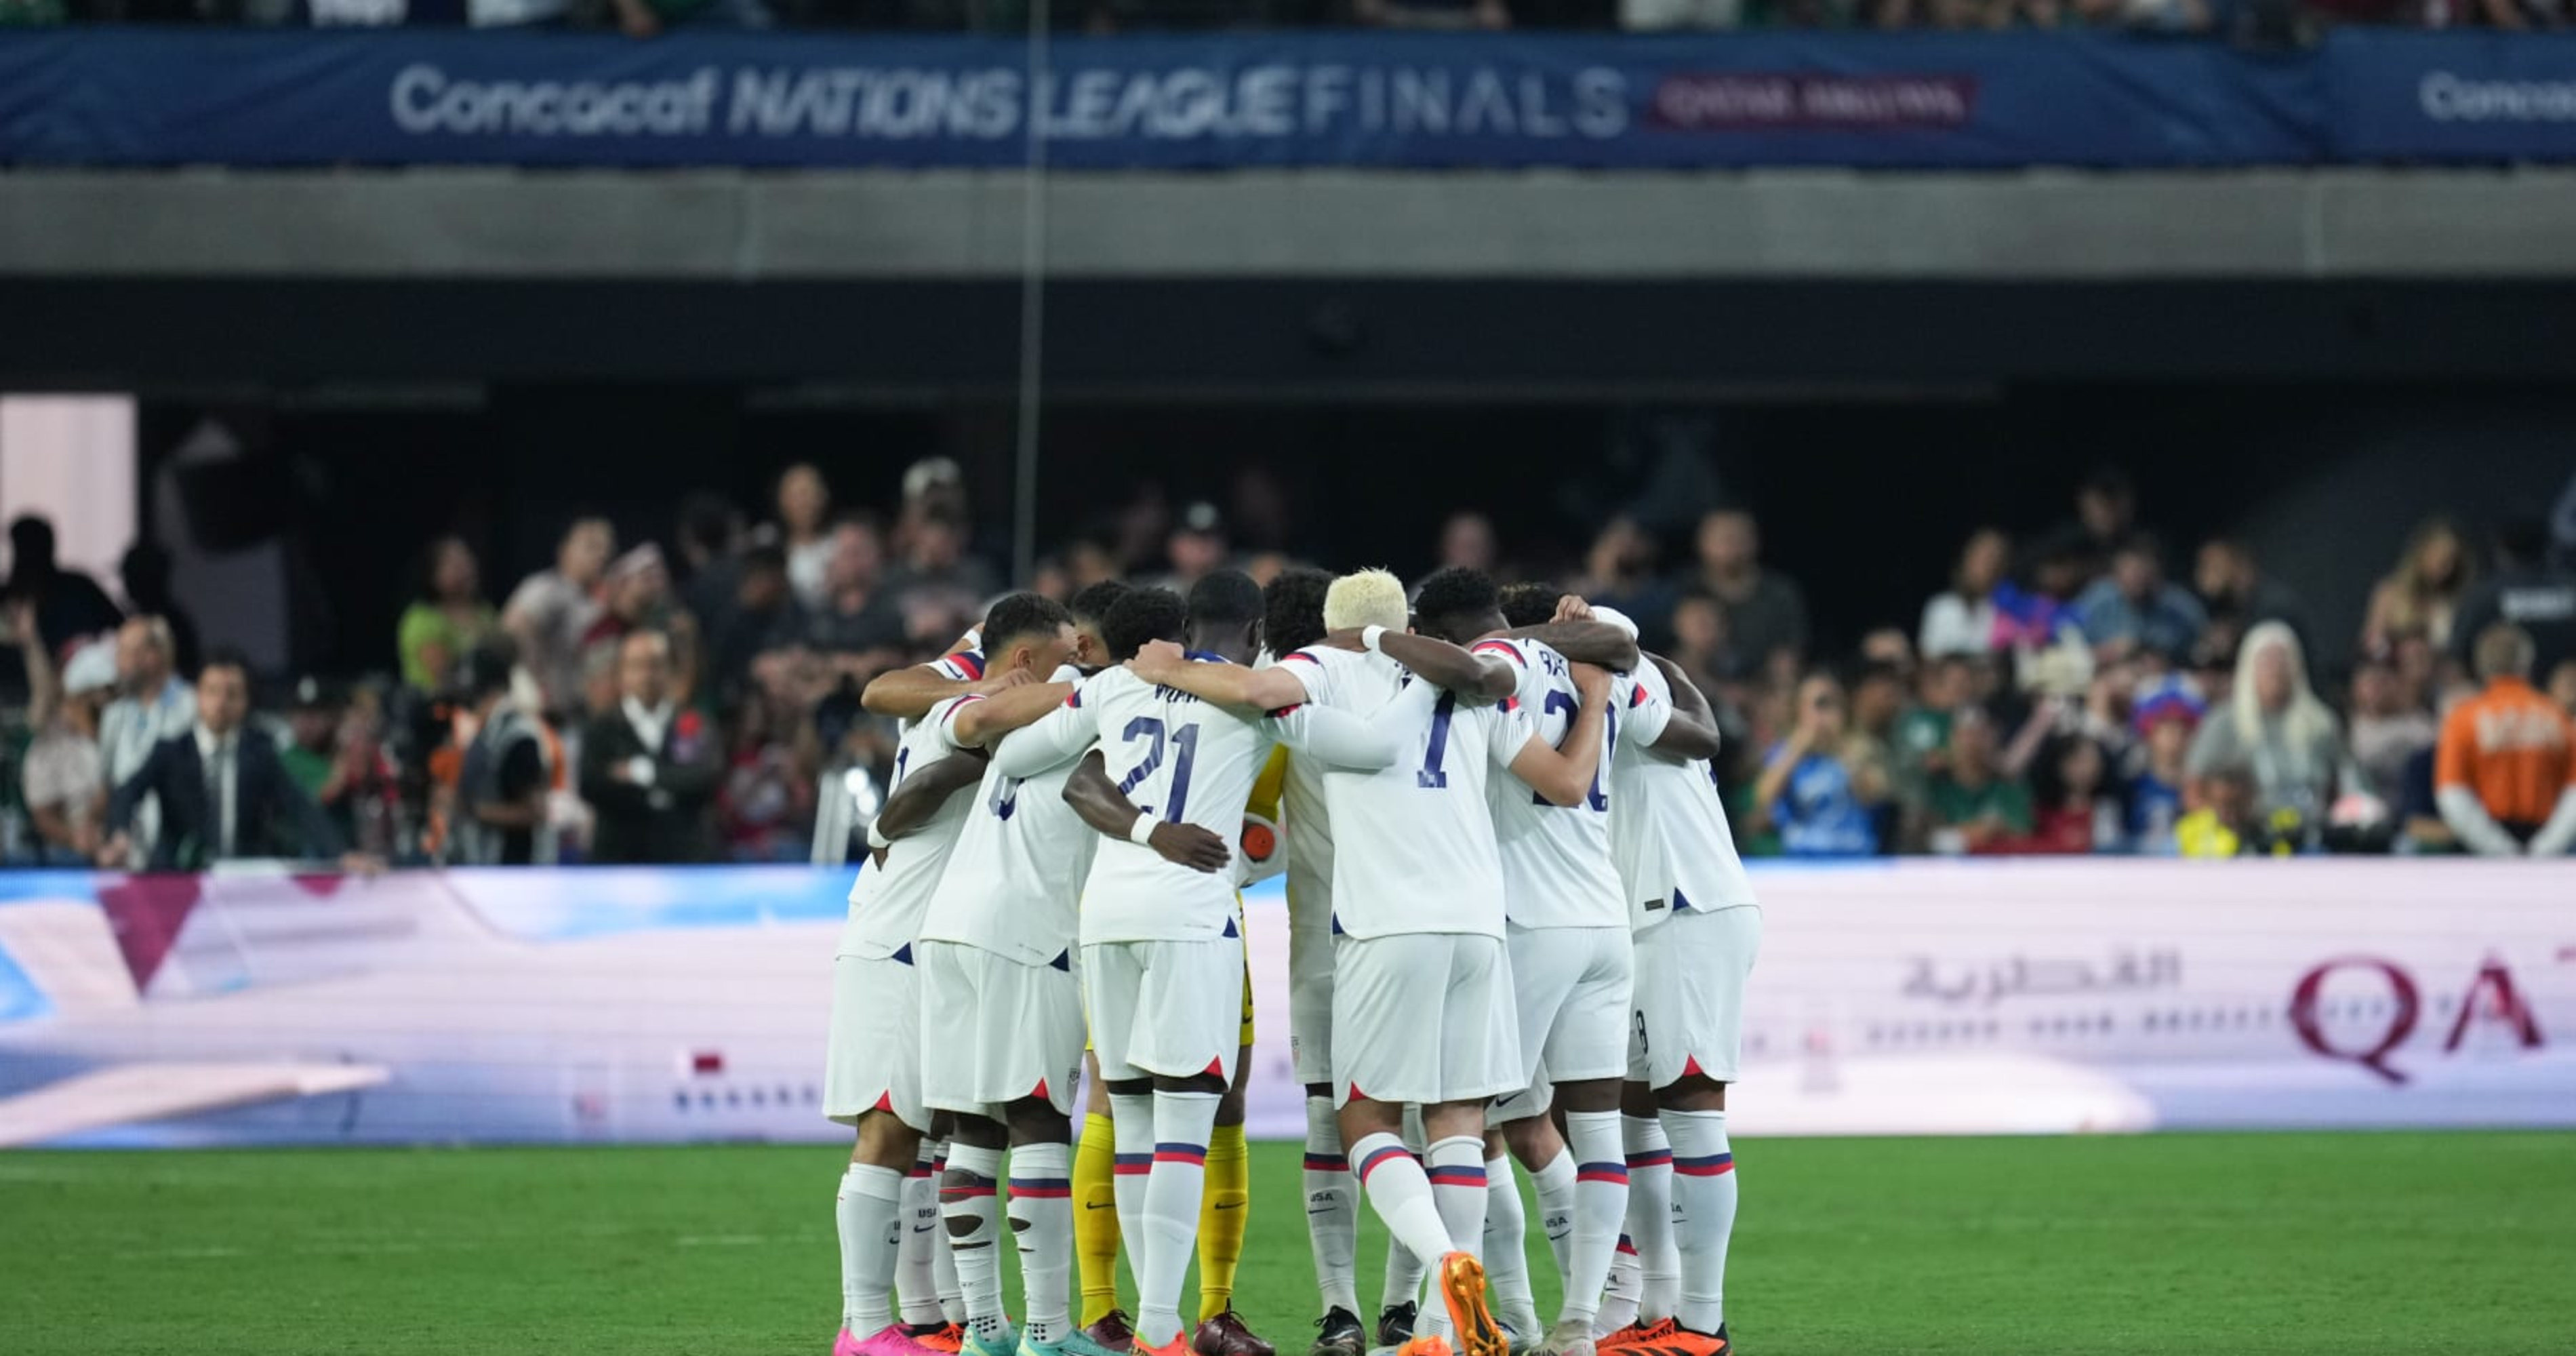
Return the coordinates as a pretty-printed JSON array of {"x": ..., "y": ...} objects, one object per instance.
[
  {"x": 1345, "y": 680},
  {"x": 1557, "y": 870},
  {"x": 1013, "y": 884},
  {"x": 1413, "y": 843},
  {"x": 1668, "y": 828},
  {"x": 1180, "y": 760},
  {"x": 887, "y": 902}
]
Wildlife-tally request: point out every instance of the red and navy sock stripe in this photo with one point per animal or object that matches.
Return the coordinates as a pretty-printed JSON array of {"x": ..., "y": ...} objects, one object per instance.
[
  {"x": 1715, "y": 1165},
  {"x": 1133, "y": 1165},
  {"x": 1327, "y": 1163},
  {"x": 1042, "y": 1188},
  {"x": 965, "y": 1186},
  {"x": 1650, "y": 1158},
  {"x": 1193, "y": 1154},
  {"x": 1456, "y": 1175},
  {"x": 1601, "y": 1172},
  {"x": 1381, "y": 1155}
]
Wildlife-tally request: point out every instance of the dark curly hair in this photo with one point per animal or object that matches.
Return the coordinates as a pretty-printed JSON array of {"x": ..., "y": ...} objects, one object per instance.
[
  {"x": 1292, "y": 609},
  {"x": 1143, "y": 615}
]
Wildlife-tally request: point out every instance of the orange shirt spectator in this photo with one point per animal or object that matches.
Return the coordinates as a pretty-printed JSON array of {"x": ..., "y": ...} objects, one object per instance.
[{"x": 2505, "y": 770}]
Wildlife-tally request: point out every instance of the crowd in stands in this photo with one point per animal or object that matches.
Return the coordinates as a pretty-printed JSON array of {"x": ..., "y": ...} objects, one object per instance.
[
  {"x": 648, "y": 18},
  {"x": 2063, "y": 693}
]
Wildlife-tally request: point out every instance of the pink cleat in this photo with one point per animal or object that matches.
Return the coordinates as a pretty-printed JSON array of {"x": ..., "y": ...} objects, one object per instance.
[{"x": 891, "y": 1340}]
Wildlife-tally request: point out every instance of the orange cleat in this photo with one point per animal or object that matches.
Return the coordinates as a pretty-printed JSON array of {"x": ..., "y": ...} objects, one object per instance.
[
  {"x": 945, "y": 1337},
  {"x": 1425, "y": 1346},
  {"x": 1669, "y": 1338},
  {"x": 1178, "y": 1346},
  {"x": 1462, "y": 1287}
]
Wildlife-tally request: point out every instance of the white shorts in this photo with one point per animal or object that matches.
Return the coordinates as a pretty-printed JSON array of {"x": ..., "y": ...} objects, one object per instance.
[
  {"x": 1169, "y": 1008},
  {"x": 1691, "y": 971},
  {"x": 1570, "y": 989},
  {"x": 1423, "y": 1018},
  {"x": 1310, "y": 1003},
  {"x": 872, "y": 1060},
  {"x": 995, "y": 1031},
  {"x": 1534, "y": 1100}
]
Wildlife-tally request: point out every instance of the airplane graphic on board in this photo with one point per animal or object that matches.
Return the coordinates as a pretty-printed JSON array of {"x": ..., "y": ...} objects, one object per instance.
[{"x": 520, "y": 1005}]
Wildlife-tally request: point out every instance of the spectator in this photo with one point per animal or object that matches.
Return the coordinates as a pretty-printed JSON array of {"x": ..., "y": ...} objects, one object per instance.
[
  {"x": 145, "y": 573},
  {"x": 1809, "y": 792},
  {"x": 2386, "y": 730},
  {"x": 334, "y": 759},
  {"x": 69, "y": 605},
  {"x": 64, "y": 780},
  {"x": 1620, "y": 573},
  {"x": 1467, "y": 542},
  {"x": 553, "y": 609},
  {"x": 1878, "y": 701},
  {"x": 2562, "y": 686},
  {"x": 1975, "y": 804},
  {"x": 2526, "y": 590},
  {"x": 500, "y": 814},
  {"x": 805, "y": 530},
  {"x": 447, "y": 615},
  {"x": 858, "y": 618},
  {"x": 2274, "y": 726},
  {"x": 1196, "y": 549},
  {"x": 153, "y": 704},
  {"x": 1699, "y": 641},
  {"x": 766, "y": 804},
  {"x": 938, "y": 587},
  {"x": 1942, "y": 689},
  {"x": 2077, "y": 811},
  {"x": 2106, "y": 514},
  {"x": 2166, "y": 720},
  {"x": 2420, "y": 596},
  {"x": 221, "y": 787},
  {"x": 1961, "y": 620},
  {"x": 1766, "y": 612},
  {"x": 2506, "y": 769},
  {"x": 761, "y": 616},
  {"x": 710, "y": 538},
  {"x": 2235, "y": 593},
  {"x": 1089, "y": 561},
  {"x": 2224, "y": 825},
  {"x": 2135, "y": 609},
  {"x": 648, "y": 768}
]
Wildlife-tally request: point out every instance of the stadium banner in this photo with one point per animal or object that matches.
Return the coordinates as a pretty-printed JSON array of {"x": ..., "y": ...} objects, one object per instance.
[
  {"x": 411, "y": 96},
  {"x": 677, "y": 1005},
  {"x": 2458, "y": 97}
]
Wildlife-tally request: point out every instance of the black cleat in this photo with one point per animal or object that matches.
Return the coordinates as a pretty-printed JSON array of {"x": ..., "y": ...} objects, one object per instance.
[
  {"x": 1395, "y": 1323},
  {"x": 1339, "y": 1333}
]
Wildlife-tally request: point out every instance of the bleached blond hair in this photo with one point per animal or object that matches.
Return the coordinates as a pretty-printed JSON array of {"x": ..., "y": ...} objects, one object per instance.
[{"x": 1365, "y": 598}]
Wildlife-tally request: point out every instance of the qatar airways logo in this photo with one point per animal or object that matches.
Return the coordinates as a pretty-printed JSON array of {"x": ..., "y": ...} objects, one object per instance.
[{"x": 2493, "y": 1002}]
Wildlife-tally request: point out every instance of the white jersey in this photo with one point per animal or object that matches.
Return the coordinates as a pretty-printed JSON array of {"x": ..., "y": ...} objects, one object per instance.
[
  {"x": 1557, "y": 871},
  {"x": 1344, "y": 680},
  {"x": 1183, "y": 761},
  {"x": 965, "y": 666},
  {"x": 887, "y": 902},
  {"x": 1014, "y": 881},
  {"x": 1668, "y": 826},
  {"x": 1413, "y": 843}
]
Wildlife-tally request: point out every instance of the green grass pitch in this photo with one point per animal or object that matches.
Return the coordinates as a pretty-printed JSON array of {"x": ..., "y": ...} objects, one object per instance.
[{"x": 2179, "y": 1243}]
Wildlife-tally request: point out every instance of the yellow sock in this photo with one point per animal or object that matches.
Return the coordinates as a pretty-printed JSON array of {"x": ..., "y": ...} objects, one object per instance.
[
  {"x": 1223, "y": 1204},
  {"x": 1095, "y": 1217}
]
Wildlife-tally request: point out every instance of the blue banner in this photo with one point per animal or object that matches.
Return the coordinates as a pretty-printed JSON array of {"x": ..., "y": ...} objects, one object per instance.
[{"x": 107, "y": 97}]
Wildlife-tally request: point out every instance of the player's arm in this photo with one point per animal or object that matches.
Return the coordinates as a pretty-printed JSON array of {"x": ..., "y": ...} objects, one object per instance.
[
  {"x": 1584, "y": 636},
  {"x": 1234, "y": 686},
  {"x": 1054, "y": 739},
  {"x": 1335, "y": 737},
  {"x": 918, "y": 797},
  {"x": 910, "y": 692},
  {"x": 1098, "y": 802},
  {"x": 1564, "y": 774},
  {"x": 980, "y": 723},
  {"x": 1439, "y": 663},
  {"x": 1690, "y": 723}
]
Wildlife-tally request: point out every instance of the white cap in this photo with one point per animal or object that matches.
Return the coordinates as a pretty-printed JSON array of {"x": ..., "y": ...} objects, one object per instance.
[{"x": 92, "y": 667}]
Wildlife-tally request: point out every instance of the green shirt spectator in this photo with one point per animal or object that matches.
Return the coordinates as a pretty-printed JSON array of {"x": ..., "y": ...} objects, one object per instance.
[{"x": 447, "y": 617}]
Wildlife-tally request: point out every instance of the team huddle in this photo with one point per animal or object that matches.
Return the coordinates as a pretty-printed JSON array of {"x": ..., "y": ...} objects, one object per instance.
[{"x": 1518, "y": 929}]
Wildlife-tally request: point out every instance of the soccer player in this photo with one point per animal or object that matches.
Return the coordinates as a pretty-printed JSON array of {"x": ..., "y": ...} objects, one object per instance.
[
  {"x": 1419, "y": 969},
  {"x": 1697, "y": 927},
  {"x": 872, "y": 1074},
  {"x": 1162, "y": 951}
]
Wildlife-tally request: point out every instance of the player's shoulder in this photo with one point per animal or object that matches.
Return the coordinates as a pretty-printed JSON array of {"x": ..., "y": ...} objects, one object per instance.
[
  {"x": 1523, "y": 652},
  {"x": 965, "y": 666},
  {"x": 1643, "y": 684}
]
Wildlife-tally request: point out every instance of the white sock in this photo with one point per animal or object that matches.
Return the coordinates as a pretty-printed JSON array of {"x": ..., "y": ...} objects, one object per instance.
[
  {"x": 1404, "y": 1270},
  {"x": 1332, "y": 1217},
  {"x": 870, "y": 1215},
  {"x": 1555, "y": 1182},
  {"x": 1400, "y": 1191},
  {"x": 1704, "y": 1192},
  {"x": 1131, "y": 1123},
  {"x": 922, "y": 1276},
  {"x": 970, "y": 1207},
  {"x": 1650, "y": 1216},
  {"x": 1182, "y": 1123},
  {"x": 1600, "y": 1205},
  {"x": 1042, "y": 1220},
  {"x": 1506, "y": 1247},
  {"x": 1619, "y": 1297}
]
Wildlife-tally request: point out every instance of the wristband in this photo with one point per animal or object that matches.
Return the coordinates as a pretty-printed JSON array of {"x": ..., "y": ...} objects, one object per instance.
[
  {"x": 1369, "y": 638},
  {"x": 877, "y": 842},
  {"x": 1141, "y": 830}
]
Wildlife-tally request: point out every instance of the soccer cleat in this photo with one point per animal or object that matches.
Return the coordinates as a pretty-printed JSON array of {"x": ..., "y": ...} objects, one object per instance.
[
  {"x": 1570, "y": 1337},
  {"x": 1004, "y": 1343},
  {"x": 1637, "y": 1334},
  {"x": 1425, "y": 1346},
  {"x": 1338, "y": 1333},
  {"x": 1462, "y": 1288},
  {"x": 1073, "y": 1344},
  {"x": 1226, "y": 1335},
  {"x": 1523, "y": 1344},
  {"x": 1113, "y": 1331},
  {"x": 1395, "y": 1324},
  {"x": 1672, "y": 1339},
  {"x": 1178, "y": 1346},
  {"x": 944, "y": 1338},
  {"x": 891, "y": 1340}
]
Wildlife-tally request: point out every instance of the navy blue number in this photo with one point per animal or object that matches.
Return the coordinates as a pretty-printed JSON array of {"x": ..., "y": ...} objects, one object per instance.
[
  {"x": 900, "y": 757},
  {"x": 1558, "y": 700},
  {"x": 1187, "y": 742},
  {"x": 1431, "y": 777},
  {"x": 1006, "y": 798},
  {"x": 1143, "y": 727}
]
